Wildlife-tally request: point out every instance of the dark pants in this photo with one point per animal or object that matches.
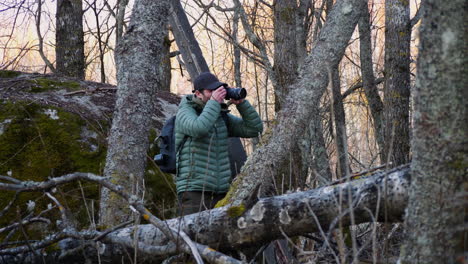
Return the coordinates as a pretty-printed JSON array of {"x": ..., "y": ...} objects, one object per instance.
[{"x": 194, "y": 202}]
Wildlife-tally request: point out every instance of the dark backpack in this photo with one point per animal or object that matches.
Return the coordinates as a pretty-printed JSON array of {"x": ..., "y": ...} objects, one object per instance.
[{"x": 166, "y": 159}]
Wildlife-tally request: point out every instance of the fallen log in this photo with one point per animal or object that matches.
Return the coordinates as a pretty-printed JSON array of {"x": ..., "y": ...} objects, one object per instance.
[
  {"x": 383, "y": 196},
  {"x": 379, "y": 197}
]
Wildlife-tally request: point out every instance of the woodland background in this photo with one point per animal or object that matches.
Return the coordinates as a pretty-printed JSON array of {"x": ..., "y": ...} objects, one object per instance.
[{"x": 86, "y": 86}]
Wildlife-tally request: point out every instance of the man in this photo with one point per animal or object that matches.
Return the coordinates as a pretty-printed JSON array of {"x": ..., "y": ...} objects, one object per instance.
[{"x": 202, "y": 128}]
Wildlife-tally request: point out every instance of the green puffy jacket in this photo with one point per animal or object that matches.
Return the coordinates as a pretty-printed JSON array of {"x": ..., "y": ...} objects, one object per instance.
[{"x": 203, "y": 162}]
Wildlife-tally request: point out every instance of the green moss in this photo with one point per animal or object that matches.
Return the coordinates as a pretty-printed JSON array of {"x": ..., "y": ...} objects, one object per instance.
[
  {"x": 232, "y": 189},
  {"x": 9, "y": 74},
  {"x": 36, "y": 146},
  {"x": 458, "y": 164},
  {"x": 43, "y": 85},
  {"x": 52, "y": 248},
  {"x": 236, "y": 211},
  {"x": 287, "y": 15}
]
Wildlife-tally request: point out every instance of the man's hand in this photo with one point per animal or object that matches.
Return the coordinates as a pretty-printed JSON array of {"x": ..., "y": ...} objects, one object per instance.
[
  {"x": 236, "y": 102},
  {"x": 219, "y": 94}
]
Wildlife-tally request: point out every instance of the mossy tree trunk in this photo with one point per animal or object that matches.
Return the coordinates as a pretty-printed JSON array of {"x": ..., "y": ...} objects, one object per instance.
[
  {"x": 139, "y": 76},
  {"x": 436, "y": 214},
  {"x": 397, "y": 82},
  {"x": 69, "y": 38}
]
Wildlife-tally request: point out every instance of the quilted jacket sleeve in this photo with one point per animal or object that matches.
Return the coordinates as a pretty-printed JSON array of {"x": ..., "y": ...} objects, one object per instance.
[
  {"x": 193, "y": 125},
  {"x": 250, "y": 125}
]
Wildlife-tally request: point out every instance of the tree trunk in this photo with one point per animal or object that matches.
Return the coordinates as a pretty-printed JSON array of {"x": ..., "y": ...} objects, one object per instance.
[
  {"x": 339, "y": 120},
  {"x": 236, "y": 50},
  {"x": 436, "y": 215},
  {"x": 320, "y": 161},
  {"x": 368, "y": 79},
  {"x": 306, "y": 92},
  {"x": 378, "y": 197},
  {"x": 69, "y": 37},
  {"x": 285, "y": 57},
  {"x": 188, "y": 46},
  {"x": 285, "y": 68},
  {"x": 294, "y": 214},
  {"x": 397, "y": 83},
  {"x": 139, "y": 78},
  {"x": 166, "y": 65}
]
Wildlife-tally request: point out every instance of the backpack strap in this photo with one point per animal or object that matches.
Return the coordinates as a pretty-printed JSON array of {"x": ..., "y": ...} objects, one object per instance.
[
  {"x": 177, "y": 152},
  {"x": 225, "y": 117}
]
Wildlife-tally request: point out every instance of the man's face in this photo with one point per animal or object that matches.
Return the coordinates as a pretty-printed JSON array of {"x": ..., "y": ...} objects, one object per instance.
[{"x": 204, "y": 95}]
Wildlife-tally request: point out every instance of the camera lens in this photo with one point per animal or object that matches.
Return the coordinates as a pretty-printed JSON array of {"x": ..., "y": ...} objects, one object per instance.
[{"x": 235, "y": 93}]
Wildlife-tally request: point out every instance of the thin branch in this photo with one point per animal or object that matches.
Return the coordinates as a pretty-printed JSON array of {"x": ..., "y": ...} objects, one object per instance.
[
  {"x": 40, "y": 38},
  {"x": 135, "y": 203}
]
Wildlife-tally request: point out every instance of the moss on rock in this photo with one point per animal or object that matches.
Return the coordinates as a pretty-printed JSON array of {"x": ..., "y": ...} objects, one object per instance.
[
  {"x": 9, "y": 74},
  {"x": 40, "y": 142},
  {"x": 43, "y": 85}
]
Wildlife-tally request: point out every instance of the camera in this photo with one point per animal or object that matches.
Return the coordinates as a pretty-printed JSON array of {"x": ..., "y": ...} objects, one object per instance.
[{"x": 235, "y": 93}]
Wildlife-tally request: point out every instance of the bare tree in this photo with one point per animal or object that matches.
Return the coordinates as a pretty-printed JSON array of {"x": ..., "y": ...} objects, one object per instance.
[
  {"x": 338, "y": 115},
  {"x": 188, "y": 46},
  {"x": 294, "y": 118},
  {"x": 368, "y": 79},
  {"x": 285, "y": 56},
  {"x": 436, "y": 216},
  {"x": 139, "y": 78},
  {"x": 69, "y": 46},
  {"x": 397, "y": 82}
]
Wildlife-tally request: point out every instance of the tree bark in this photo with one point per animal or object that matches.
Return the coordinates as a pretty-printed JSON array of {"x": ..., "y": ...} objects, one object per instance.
[
  {"x": 166, "y": 65},
  {"x": 378, "y": 197},
  {"x": 69, "y": 37},
  {"x": 294, "y": 214},
  {"x": 285, "y": 56},
  {"x": 368, "y": 79},
  {"x": 436, "y": 215},
  {"x": 320, "y": 163},
  {"x": 306, "y": 92},
  {"x": 188, "y": 46},
  {"x": 339, "y": 120},
  {"x": 139, "y": 78},
  {"x": 236, "y": 50},
  {"x": 397, "y": 83},
  {"x": 285, "y": 68}
]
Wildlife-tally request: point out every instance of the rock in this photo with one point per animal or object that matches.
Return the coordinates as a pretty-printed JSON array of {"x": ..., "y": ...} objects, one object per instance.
[{"x": 51, "y": 126}]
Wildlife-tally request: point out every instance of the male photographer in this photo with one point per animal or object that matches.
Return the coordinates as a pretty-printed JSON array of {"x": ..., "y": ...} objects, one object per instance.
[{"x": 202, "y": 129}]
